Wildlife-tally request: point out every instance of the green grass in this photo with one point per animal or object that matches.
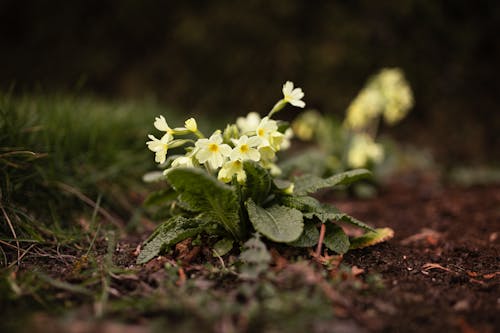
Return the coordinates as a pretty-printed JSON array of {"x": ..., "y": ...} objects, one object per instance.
[{"x": 62, "y": 156}]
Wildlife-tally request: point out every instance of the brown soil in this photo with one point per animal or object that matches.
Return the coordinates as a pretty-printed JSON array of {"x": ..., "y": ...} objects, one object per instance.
[{"x": 441, "y": 271}]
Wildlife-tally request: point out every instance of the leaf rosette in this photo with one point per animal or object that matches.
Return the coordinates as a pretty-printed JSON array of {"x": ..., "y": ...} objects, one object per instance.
[{"x": 228, "y": 187}]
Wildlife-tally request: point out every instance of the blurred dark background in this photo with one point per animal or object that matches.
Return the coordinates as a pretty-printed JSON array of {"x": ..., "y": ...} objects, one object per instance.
[{"x": 231, "y": 57}]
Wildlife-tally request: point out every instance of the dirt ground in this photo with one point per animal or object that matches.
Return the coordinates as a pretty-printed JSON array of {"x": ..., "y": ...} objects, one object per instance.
[
  {"x": 440, "y": 273},
  {"x": 442, "y": 269}
]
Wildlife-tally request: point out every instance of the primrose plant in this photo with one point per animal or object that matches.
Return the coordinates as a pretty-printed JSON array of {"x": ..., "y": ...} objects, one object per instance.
[
  {"x": 352, "y": 143},
  {"x": 228, "y": 186}
]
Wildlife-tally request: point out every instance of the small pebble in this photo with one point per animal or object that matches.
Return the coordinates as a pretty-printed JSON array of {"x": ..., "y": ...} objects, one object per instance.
[{"x": 462, "y": 305}]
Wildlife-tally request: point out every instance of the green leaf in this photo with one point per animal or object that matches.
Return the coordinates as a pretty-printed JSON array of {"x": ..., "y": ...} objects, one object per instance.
[
  {"x": 336, "y": 239},
  {"x": 160, "y": 197},
  {"x": 278, "y": 223},
  {"x": 255, "y": 258},
  {"x": 169, "y": 233},
  {"x": 354, "y": 222},
  {"x": 379, "y": 235},
  {"x": 255, "y": 252},
  {"x": 222, "y": 247},
  {"x": 308, "y": 238},
  {"x": 258, "y": 183},
  {"x": 305, "y": 204},
  {"x": 310, "y": 183},
  {"x": 325, "y": 212},
  {"x": 204, "y": 193},
  {"x": 281, "y": 184}
]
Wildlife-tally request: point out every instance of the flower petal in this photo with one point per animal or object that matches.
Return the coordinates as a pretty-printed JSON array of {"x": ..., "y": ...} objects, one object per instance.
[
  {"x": 296, "y": 103},
  {"x": 287, "y": 88},
  {"x": 254, "y": 141},
  {"x": 161, "y": 124},
  {"x": 253, "y": 154},
  {"x": 225, "y": 149}
]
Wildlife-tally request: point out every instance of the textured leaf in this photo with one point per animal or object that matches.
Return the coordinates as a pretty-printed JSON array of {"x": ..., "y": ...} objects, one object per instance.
[
  {"x": 308, "y": 238},
  {"x": 255, "y": 252},
  {"x": 281, "y": 184},
  {"x": 160, "y": 197},
  {"x": 255, "y": 258},
  {"x": 204, "y": 193},
  {"x": 305, "y": 204},
  {"x": 354, "y": 222},
  {"x": 278, "y": 223},
  {"x": 223, "y": 246},
  {"x": 169, "y": 233},
  {"x": 336, "y": 239},
  {"x": 310, "y": 183},
  {"x": 379, "y": 235},
  {"x": 326, "y": 212},
  {"x": 258, "y": 183}
]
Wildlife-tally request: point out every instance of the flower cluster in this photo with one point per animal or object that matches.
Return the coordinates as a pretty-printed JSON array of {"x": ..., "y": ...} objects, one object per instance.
[
  {"x": 387, "y": 94},
  {"x": 251, "y": 138},
  {"x": 352, "y": 142},
  {"x": 363, "y": 150}
]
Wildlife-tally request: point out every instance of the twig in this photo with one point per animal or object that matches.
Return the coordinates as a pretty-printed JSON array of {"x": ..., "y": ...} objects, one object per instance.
[
  {"x": 182, "y": 277},
  {"x": 91, "y": 203},
  {"x": 430, "y": 265},
  {"x": 8, "y": 244},
  {"x": 13, "y": 233},
  {"x": 22, "y": 255},
  {"x": 320, "y": 240},
  {"x": 220, "y": 258}
]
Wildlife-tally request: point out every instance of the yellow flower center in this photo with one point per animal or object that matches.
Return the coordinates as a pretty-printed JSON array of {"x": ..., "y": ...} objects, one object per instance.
[
  {"x": 244, "y": 148},
  {"x": 237, "y": 163},
  {"x": 260, "y": 132},
  {"x": 213, "y": 147}
]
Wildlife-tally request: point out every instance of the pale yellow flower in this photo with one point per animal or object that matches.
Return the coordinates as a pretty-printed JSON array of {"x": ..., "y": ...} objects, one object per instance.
[
  {"x": 365, "y": 108},
  {"x": 267, "y": 153},
  {"x": 161, "y": 125},
  {"x": 245, "y": 148},
  {"x": 286, "y": 139},
  {"x": 289, "y": 190},
  {"x": 159, "y": 146},
  {"x": 230, "y": 169},
  {"x": 387, "y": 94},
  {"x": 398, "y": 94},
  {"x": 293, "y": 96},
  {"x": 364, "y": 150},
  {"x": 265, "y": 131},
  {"x": 191, "y": 125},
  {"x": 183, "y": 162},
  {"x": 249, "y": 123},
  {"x": 212, "y": 150}
]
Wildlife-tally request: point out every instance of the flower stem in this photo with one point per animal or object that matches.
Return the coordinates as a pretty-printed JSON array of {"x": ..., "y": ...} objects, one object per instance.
[
  {"x": 320, "y": 240},
  {"x": 199, "y": 134},
  {"x": 277, "y": 107}
]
